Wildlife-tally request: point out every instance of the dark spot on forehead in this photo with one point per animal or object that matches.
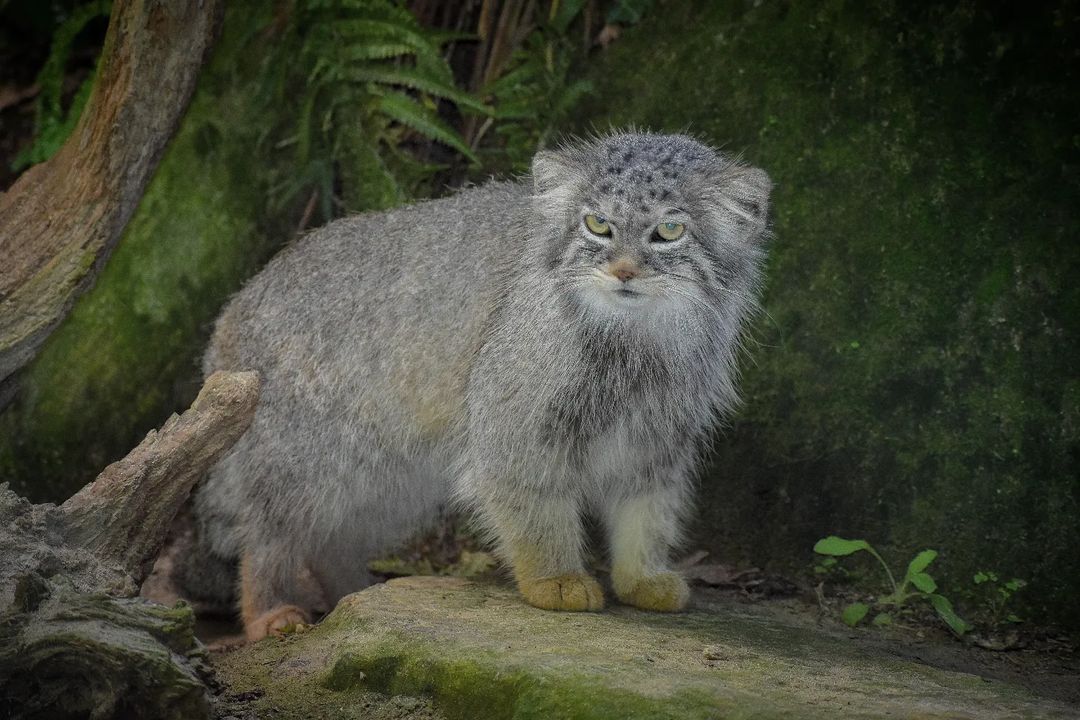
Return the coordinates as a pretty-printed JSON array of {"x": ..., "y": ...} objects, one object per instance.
[
  {"x": 665, "y": 195},
  {"x": 628, "y": 156}
]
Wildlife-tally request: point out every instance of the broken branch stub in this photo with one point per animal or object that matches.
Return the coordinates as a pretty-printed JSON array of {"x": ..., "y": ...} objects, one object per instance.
[{"x": 124, "y": 515}]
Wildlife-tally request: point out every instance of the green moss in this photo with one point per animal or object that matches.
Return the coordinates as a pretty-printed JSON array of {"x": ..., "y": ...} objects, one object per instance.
[
  {"x": 478, "y": 686},
  {"x": 911, "y": 380}
]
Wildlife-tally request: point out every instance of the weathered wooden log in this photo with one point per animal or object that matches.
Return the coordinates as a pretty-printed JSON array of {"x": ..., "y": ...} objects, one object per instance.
[
  {"x": 62, "y": 218},
  {"x": 73, "y": 640}
]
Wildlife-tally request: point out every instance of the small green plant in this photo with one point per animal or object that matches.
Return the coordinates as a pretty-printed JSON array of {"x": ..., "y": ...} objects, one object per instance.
[
  {"x": 917, "y": 584},
  {"x": 998, "y": 594}
]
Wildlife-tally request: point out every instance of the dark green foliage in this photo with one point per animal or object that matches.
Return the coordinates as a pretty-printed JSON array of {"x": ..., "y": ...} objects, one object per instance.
[
  {"x": 915, "y": 376},
  {"x": 363, "y": 77},
  {"x": 537, "y": 93},
  {"x": 54, "y": 122}
]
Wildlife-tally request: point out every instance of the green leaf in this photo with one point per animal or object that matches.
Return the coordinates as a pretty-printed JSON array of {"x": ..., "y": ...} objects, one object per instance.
[
  {"x": 442, "y": 37},
  {"x": 838, "y": 546},
  {"x": 882, "y": 619},
  {"x": 376, "y": 51},
  {"x": 921, "y": 561},
  {"x": 358, "y": 31},
  {"x": 408, "y": 112},
  {"x": 923, "y": 581},
  {"x": 1015, "y": 584},
  {"x": 945, "y": 611},
  {"x": 980, "y": 578},
  {"x": 406, "y": 77},
  {"x": 854, "y": 613}
]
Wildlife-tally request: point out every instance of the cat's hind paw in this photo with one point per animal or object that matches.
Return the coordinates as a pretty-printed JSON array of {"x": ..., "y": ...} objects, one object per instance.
[{"x": 279, "y": 621}]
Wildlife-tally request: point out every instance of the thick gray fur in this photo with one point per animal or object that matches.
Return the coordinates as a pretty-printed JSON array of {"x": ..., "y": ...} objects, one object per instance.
[{"x": 473, "y": 348}]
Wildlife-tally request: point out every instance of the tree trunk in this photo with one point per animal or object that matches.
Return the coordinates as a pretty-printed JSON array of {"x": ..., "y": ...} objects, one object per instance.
[{"x": 62, "y": 218}]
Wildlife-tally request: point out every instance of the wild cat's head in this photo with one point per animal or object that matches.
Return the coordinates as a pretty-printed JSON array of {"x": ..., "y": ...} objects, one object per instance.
[{"x": 639, "y": 225}]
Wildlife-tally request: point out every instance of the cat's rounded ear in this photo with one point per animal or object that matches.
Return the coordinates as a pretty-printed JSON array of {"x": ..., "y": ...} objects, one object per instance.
[
  {"x": 557, "y": 180},
  {"x": 751, "y": 187},
  {"x": 740, "y": 197}
]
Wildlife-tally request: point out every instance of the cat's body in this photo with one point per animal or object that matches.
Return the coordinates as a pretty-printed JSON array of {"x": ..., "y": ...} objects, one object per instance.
[{"x": 493, "y": 347}]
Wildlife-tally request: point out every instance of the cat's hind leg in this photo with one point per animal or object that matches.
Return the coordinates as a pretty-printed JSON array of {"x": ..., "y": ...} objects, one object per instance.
[{"x": 278, "y": 591}]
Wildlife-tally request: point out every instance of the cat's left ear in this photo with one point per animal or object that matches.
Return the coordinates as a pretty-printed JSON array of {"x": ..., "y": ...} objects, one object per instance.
[
  {"x": 740, "y": 195},
  {"x": 558, "y": 180}
]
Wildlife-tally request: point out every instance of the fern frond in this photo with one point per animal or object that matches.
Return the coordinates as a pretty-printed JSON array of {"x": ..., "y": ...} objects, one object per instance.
[
  {"x": 360, "y": 31},
  {"x": 408, "y": 77},
  {"x": 375, "y": 51},
  {"x": 403, "y": 109}
]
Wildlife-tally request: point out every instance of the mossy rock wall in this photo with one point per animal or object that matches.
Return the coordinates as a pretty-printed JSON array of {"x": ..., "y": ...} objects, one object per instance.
[{"x": 914, "y": 379}]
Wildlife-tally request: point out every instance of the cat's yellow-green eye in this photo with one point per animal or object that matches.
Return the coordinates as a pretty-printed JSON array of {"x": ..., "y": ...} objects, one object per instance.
[
  {"x": 597, "y": 224},
  {"x": 670, "y": 230}
]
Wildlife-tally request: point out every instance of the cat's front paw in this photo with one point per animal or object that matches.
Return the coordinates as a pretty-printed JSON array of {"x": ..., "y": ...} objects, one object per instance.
[
  {"x": 280, "y": 620},
  {"x": 663, "y": 592},
  {"x": 573, "y": 592}
]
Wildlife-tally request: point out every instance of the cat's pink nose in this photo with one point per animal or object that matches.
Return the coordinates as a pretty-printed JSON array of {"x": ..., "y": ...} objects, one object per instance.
[{"x": 624, "y": 269}]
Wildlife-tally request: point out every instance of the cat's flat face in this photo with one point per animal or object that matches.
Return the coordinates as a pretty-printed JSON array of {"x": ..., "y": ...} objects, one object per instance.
[{"x": 650, "y": 225}]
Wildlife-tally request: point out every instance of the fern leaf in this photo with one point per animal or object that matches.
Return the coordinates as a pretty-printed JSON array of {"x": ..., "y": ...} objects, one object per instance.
[
  {"x": 408, "y": 112},
  {"x": 376, "y": 51},
  {"x": 360, "y": 31},
  {"x": 407, "y": 77},
  {"x": 444, "y": 37}
]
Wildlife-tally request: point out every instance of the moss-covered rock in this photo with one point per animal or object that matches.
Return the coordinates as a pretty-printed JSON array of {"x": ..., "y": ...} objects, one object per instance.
[
  {"x": 69, "y": 647},
  {"x": 913, "y": 380},
  {"x": 476, "y": 651}
]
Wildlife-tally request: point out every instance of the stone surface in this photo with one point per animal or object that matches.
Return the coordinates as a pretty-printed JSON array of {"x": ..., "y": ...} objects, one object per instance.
[{"x": 455, "y": 648}]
